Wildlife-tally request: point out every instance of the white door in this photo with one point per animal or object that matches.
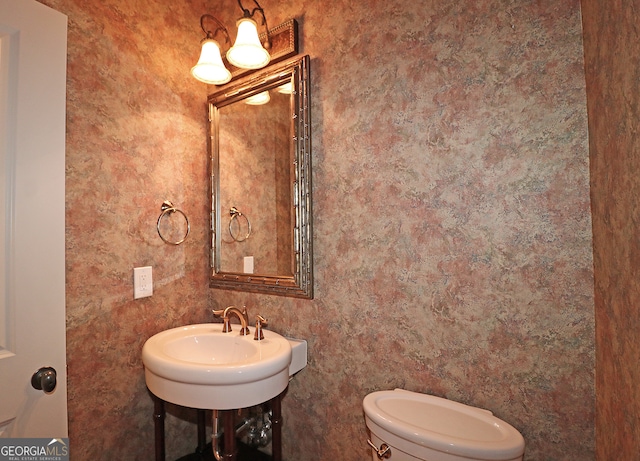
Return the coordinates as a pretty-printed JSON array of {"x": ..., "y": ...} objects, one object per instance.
[{"x": 33, "y": 58}]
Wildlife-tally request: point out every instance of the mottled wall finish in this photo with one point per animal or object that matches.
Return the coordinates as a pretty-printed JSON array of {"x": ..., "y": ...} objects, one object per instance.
[
  {"x": 452, "y": 224},
  {"x": 612, "y": 52},
  {"x": 135, "y": 136},
  {"x": 451, "y": 208}
]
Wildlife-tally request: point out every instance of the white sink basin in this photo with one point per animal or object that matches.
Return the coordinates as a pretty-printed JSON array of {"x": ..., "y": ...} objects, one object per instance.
[{"x": 199, "y": 366}]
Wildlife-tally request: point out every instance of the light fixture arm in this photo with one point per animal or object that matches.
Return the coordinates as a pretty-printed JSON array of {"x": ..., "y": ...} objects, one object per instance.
[
  {"x": 249, "y": 14},
  {"x": 210, "y": 35}
]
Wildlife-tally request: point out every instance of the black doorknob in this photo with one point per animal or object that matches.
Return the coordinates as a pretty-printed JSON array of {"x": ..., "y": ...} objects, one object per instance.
[{"x": 44, "y": 379}]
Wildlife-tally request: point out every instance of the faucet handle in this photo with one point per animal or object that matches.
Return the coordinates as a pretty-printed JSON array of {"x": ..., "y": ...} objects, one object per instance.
[
  {"x": 260, "y": 322},
  {"x": 217, "y": 313}
]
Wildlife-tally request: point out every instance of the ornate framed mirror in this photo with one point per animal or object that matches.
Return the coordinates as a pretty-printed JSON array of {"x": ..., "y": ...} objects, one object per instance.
[{"x": 261, "y": 220}]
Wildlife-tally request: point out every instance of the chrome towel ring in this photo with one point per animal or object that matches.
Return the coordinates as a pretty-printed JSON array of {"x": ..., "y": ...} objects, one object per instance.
[
  {"x": 168, "y": 209},
  {"x": 235, "y": 216}
]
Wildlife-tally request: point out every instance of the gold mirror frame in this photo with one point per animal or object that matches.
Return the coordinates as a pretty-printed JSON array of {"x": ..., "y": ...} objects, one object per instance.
[{"x": 300, "y": 284}]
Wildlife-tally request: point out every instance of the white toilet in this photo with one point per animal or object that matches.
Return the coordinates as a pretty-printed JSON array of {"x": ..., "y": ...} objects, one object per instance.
[{"x": 421, "y": 427}]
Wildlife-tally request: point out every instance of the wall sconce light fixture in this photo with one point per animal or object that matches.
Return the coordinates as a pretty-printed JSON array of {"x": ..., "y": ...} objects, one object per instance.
[
  {"x": 246, "y": 53},
  {"x": 210, "y": 68}
]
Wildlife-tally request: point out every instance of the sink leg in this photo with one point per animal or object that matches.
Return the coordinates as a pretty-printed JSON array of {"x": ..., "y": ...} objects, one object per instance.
[
  {"x": 202, "y": 432},
  {"x": 229, "y": 435},
  {"x": 158, "y": 419},
  {"x": 276, "y": 428}
]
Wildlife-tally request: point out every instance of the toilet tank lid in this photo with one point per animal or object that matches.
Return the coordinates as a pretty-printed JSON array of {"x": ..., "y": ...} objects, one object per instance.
[{"x": 443, "y": 425}]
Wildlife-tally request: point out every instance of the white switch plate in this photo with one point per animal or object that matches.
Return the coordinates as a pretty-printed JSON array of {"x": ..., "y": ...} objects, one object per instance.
[
  {"x": 248, "y": 264},
  {"x": 142, "y": 282}
]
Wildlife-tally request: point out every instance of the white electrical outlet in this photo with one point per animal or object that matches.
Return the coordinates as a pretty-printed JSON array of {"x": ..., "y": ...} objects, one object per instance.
[{"x": 142, "y": 282}]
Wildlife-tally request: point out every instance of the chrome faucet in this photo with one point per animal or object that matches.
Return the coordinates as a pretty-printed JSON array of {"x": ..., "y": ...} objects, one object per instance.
[{"x": 242, "y": 316}]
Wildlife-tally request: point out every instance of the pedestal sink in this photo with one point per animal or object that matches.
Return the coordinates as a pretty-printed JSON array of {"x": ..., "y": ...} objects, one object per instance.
[{"x": 199, "y": 366}]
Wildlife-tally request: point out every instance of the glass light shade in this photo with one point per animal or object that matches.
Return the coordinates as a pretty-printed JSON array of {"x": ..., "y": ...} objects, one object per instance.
[
  {"x": 210, "y": 68},
  {"x": 258, "y": 99},
  {"x": 247, "y": 52},
  {"x": 285, "y": 88}
]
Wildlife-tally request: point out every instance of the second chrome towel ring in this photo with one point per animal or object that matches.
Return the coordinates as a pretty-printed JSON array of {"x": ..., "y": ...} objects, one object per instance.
[
  {"x": 168, "y": 209},
  {"x": 235, "y": 217}
]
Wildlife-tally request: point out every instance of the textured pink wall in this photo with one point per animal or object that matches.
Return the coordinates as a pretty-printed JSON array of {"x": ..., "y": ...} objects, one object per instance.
[
  {"x": 451, "y": 210},
  {"x": 612, "y": 53},
  {"x": 135, "y": 136},
  {"x": 452, "y": 230}
]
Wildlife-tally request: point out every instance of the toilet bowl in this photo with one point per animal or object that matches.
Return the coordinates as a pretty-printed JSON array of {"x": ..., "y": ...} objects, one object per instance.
[{"x": 421, "y": 427}]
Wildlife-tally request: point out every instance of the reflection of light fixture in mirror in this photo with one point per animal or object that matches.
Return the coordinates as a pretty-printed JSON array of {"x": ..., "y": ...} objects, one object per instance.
[
  {"x": 247, "y": 52},
  {"x": 210, "y": 68},
  {"x": 258, "y": 99},
  {"x": 285, "y": 88}
]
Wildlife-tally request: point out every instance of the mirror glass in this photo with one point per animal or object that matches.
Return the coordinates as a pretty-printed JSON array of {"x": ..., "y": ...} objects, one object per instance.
[{"x": 261, "y": 183}]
